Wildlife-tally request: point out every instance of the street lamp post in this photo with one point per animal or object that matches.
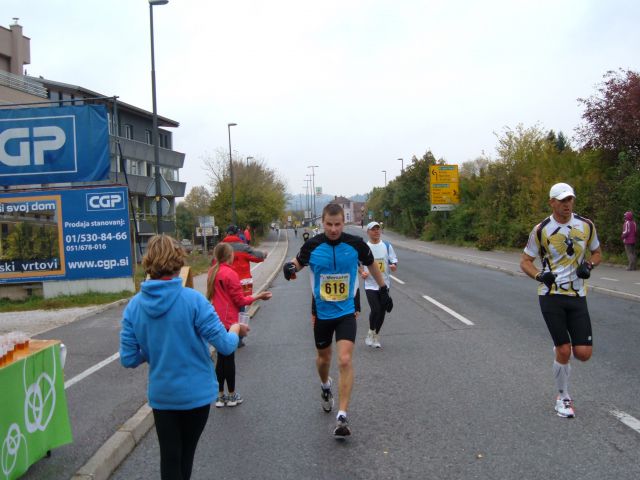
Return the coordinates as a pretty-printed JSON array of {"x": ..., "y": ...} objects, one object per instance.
[
  {"x": 401, "y": 164},
  {"x": 385, "y": 177},
  {"x": 156, "y": 135},
  {"x": 234, "y": 219},
  {"x": 313, "y": 188}
]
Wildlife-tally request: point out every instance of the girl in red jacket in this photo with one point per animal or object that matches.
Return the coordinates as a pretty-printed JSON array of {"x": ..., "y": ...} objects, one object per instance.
[{"x": 225, "y": 294}]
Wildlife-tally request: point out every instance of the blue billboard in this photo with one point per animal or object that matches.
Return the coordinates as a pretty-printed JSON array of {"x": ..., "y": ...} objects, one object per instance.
[
  {"x": 54, "y": 145},
  {"x": 65, "y": 235}
]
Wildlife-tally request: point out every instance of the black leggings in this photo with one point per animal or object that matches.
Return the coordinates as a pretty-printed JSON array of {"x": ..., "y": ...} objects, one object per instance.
[
  {"x": 226, "y": 370},
  {"x": 376, "y": 317},
  {"x": 178, "y": 434}
]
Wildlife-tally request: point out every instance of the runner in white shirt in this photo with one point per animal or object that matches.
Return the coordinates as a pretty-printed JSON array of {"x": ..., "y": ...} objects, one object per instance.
[
  {"x": 387, "y": 261},
  {"x": 568, "y": 247}
]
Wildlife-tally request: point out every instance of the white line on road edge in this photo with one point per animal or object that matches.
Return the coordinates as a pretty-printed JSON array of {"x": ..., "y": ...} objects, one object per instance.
[
  {"x": 448, "y": 310},
  {"x": 610, "y": 279},
  {"x": 627, "y": 419},
  {"x": 397, "y": 280},
  {"x": 91, "y": 370},
  {"x": 269, "y": 253}
]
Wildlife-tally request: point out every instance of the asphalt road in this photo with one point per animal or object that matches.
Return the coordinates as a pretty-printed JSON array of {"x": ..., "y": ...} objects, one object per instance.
[{"x": 442, "y": 399}]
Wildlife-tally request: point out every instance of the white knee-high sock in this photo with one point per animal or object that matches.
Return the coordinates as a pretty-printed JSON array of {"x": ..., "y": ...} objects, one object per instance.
[{"x": 561, "y": 372}]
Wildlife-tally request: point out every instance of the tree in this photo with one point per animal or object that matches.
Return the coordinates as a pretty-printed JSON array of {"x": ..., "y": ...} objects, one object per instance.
[
  {"x": 259, "y": 191},
  {"x": 612, "y": 115},
  {"x": 198, "y": 201},
  {"x": 186, "y": 221}
]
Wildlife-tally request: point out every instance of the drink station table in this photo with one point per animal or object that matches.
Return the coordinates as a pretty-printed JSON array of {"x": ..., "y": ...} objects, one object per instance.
[{"x": 33, "y": 408}]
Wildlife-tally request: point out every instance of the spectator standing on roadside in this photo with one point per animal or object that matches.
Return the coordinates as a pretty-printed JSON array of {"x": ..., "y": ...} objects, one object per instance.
[
  {"x": 561, "y": 241},
  {"x": 168, "y": 327},
  {"x": 386, "y": 258},
  {"x": 247, "y": 234},
  {"x": 225, "y": 293},
  {"x": 243, "y": 256},
  {"x": 629, "y": 232}
]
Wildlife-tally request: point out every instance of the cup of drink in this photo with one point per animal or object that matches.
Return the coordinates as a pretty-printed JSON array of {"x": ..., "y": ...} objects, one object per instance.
[{"x": 244, "y": 317}]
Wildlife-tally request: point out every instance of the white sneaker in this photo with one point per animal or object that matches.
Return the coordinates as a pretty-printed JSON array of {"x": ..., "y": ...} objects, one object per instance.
[
  {"x": 376, "y": 341},
  {"x": 564, "y": 407},
  {"x": 369, "y": 340}
]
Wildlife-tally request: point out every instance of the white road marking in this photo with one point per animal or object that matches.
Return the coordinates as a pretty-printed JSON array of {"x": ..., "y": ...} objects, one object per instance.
[
  {"x": 637, "y": 283},
  {"x": 256, "y": 265},
  {"x": 610, "y": 279},
  {"x": 627, "y": 419},
  {"x": 448, "y": 310},
  {"x": 91, "y": 370},
  {"x": 397, "y": 280}
]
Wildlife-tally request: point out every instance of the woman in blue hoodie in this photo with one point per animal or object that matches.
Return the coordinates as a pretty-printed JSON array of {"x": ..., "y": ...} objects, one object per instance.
[{"x": 168, "y": 326}]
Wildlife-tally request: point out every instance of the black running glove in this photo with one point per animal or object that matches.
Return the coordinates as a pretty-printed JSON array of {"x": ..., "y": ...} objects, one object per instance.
[
  {"x": 584, "y": 270},
  {"x": 289, "y": 271},
  {"x": 385, "y": 299},
  {"x": 548, "y": 278}
]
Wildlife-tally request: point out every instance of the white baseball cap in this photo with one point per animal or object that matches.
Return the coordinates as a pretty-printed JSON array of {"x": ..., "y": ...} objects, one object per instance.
[
  {"x": 371, "y": 225},
  {"x": 560, "y": 191}
]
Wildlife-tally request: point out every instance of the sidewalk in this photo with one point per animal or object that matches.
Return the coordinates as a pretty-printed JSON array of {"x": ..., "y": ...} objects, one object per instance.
[{"x": 606, "y": 278}]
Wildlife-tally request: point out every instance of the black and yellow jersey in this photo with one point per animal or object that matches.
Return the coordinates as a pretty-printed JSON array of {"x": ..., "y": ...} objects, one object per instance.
[{"x": 562, "y": 247}]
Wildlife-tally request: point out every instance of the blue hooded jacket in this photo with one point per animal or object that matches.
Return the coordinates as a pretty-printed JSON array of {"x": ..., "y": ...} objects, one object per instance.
[{"x": 169, "y": 326}]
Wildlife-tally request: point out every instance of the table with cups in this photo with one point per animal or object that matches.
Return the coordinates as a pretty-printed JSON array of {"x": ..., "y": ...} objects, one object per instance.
[{"x": 34, "y": 417}]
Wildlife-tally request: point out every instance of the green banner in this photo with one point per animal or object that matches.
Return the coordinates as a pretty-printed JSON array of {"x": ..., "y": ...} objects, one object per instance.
[{"x": 33, "y": 411}]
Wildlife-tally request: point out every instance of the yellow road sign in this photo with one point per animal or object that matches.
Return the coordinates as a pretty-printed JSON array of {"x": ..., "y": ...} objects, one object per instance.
[
  {"x": 443, "y": 174},
  {"x": 445, "y": 194}
]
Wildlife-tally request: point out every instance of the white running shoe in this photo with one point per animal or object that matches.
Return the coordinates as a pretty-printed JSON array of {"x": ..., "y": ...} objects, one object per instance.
[
  {"x": 221, "y": 400},
  {"x": 564, "y": 407},
  {"x": 369, "y": 340},
  {"x": 327, "y": 397},
  {"x": 376, "y": 341}
]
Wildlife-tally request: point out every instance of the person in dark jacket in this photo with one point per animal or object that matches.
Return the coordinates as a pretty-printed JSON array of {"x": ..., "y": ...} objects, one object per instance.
[
  {"x": 629, "y": 232},
  {"x": 168, "y": 326}
]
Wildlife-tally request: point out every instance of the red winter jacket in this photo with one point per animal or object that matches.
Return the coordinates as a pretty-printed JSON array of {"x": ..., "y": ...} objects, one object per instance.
[
  {"x": 243, "y": 255},
  {"x": 227, "y": 297}
]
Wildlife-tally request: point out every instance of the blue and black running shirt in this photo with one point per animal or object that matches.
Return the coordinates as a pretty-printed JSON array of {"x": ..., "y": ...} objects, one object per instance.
[{"x": 334, "y": 272}]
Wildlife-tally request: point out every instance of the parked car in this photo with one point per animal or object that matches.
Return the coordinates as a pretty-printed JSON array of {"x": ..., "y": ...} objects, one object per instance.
[{"x": 187, "y": 245}]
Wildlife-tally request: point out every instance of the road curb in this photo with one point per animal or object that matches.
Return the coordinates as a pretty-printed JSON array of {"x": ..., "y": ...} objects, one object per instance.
[{"x": 111, "y": 454}]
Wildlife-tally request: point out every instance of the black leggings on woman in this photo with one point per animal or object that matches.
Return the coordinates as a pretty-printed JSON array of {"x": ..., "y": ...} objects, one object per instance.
[
  {"x": 376, "y": 317},
  {"x": 178, "y": 434},
  {"x": 226, "y": 370}
]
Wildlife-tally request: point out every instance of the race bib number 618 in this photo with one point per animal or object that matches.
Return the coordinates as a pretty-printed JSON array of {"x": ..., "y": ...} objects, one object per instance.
[{"x": 335, "y": 287}]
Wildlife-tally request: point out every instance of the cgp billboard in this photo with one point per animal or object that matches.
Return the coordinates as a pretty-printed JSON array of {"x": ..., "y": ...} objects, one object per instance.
[
  {"x": 54, "y": 145},
  {"x": 64, "y": 235}
]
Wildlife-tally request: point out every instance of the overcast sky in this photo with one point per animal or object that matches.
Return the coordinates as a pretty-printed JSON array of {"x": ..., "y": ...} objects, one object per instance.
[{"x": 349, "y": 85}]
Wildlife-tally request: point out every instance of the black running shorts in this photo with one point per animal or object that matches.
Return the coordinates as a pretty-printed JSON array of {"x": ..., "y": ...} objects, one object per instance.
[
  {"x": 567, "y": 319},
  {"x": 344, "y": 327}
]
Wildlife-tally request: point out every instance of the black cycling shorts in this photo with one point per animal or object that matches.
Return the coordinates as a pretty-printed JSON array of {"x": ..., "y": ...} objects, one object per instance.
[
  {"x": 345, "y": 328},
  {"x": 567, "y": 319}
]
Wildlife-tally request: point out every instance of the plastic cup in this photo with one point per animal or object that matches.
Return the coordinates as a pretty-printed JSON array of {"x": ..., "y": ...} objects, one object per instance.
[{"x": 244, "y": 317}]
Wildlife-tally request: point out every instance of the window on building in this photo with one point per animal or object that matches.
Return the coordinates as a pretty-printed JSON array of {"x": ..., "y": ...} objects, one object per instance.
[
  {"x": 148, "y": 137},
  {"x": 127, "y": 131},
  {"x": 164, "y": 140}
]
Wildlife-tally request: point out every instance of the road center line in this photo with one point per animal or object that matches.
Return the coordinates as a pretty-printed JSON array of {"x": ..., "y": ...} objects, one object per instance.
[
  {"x": 448, "y": 310},
  {"x": 610, "y": 279},
  {"x": 397, "y": 280},
  {"x": 627, "y": 419},
  {"x": 91, "y": 370}
]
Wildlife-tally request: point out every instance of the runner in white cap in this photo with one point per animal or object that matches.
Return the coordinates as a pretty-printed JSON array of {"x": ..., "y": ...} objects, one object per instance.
[
  {"x": 387, "y": 261},
  {"x": 562, "y": 241}
]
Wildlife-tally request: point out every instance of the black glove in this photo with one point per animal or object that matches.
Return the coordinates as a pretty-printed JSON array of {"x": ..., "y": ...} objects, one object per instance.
[
  {"x": 289, "y": 270},
  {"x": 385, "y": 299},
  {"x": 584, "y": 270},
  {"x": 548, "y": 278}
]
